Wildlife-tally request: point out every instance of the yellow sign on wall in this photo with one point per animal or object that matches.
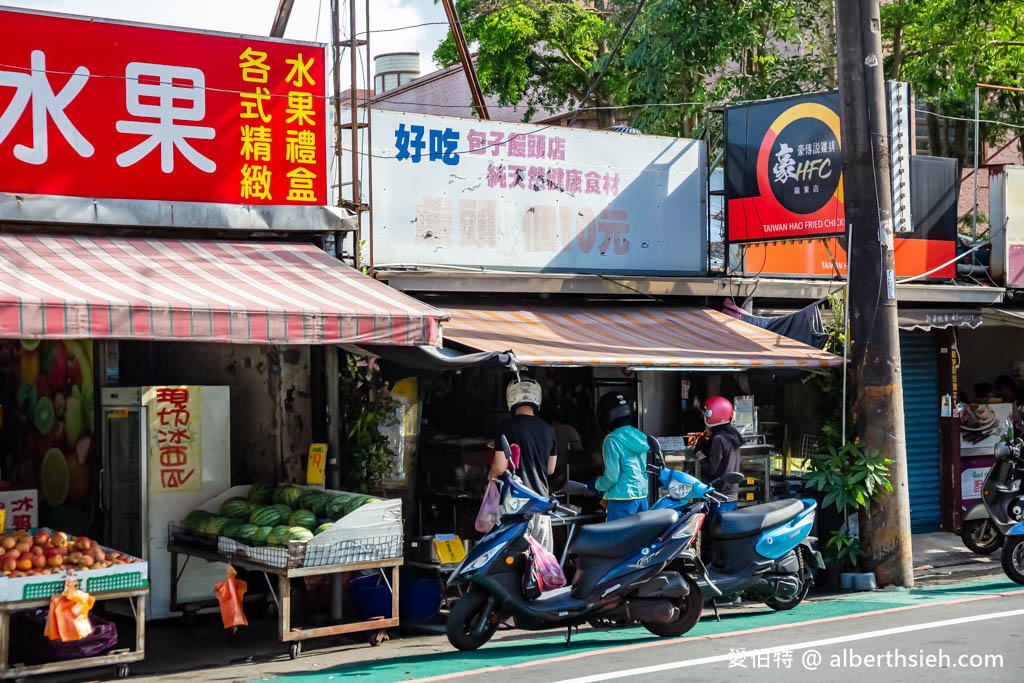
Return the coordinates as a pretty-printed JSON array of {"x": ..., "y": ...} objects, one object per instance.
[
  {"x": 175, "y": 446},
  {"x": 316, "y": 464}
]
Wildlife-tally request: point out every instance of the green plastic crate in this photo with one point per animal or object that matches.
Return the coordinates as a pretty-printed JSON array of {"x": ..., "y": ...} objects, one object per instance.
[
  {"x": 35, "y": 591},
  {"x": 114, "y": 582}
]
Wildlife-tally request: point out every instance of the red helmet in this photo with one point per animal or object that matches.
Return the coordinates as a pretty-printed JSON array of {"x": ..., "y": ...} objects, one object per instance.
[{"x": 717, "y": 411}]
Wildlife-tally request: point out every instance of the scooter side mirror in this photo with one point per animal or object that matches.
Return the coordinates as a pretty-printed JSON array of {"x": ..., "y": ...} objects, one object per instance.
[
  {"x": 655, "y": 450},
  {"x": 507, "y": 450},
  {"x": 728, "y": 478}
]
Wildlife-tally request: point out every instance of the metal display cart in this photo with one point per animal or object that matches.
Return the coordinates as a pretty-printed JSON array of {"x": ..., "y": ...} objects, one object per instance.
[
  {"x": 121, "y": 658},
  {"x": 282, "y": 596}
]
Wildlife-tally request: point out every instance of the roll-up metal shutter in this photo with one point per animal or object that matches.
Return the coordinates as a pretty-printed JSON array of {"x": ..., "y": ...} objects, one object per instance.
[{"x": 921, "y": 418}]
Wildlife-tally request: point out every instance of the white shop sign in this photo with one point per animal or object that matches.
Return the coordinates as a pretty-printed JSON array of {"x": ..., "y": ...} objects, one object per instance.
[
  {"x": 482, "y": 194},
  {"x": 21, "y": 509}
]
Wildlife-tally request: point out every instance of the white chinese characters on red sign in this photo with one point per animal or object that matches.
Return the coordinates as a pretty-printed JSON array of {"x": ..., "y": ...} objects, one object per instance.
[{"x": 153, "y": 113}]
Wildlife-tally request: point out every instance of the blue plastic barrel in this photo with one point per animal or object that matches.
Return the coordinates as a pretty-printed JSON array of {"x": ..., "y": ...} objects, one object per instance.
[
  {"x": 371, "y": 597},
  {"x": 419, "y": 598}
]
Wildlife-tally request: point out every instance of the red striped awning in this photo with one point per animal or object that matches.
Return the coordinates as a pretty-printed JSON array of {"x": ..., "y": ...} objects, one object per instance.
[
  {"x": 176, "y": 290},
  {"x": 628, "y": 335}
]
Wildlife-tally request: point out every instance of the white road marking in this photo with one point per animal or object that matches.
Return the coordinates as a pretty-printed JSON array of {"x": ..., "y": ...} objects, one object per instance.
[{"x": 686, "y": 663}]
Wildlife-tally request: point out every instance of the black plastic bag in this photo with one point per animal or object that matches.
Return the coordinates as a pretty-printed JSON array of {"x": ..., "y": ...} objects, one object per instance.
[{"x": 29, "y": 645}]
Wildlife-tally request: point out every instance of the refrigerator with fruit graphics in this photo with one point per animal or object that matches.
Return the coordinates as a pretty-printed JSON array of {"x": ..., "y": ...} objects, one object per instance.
[{"x": 166, "y": 450}]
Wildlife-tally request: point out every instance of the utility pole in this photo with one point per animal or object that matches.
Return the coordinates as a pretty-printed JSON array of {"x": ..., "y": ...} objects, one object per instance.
[
  {"x": 874, "y": 335},
  {"x": 459, "y": 36}
]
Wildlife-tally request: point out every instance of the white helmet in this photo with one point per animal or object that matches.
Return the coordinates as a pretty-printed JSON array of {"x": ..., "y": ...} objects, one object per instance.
[{"x": 523, "y": 391}]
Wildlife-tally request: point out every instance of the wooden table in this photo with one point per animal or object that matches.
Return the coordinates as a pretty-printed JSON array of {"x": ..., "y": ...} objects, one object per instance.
[
  {"x": 283, "y": 597},
  {"x": 120, "y": 658}
]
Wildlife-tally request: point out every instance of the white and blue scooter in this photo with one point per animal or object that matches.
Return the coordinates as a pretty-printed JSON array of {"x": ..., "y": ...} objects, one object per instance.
[{"x": 761, "y": 552}]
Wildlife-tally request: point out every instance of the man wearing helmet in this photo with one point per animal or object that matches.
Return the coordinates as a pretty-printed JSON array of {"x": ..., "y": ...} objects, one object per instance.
[
  {"x": 537, "y": 450},
  {"x": 719, "y": 448},
  {"x": 624, "y": 482}
]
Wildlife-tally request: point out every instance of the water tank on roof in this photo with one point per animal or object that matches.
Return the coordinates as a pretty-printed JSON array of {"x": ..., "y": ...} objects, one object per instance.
[{"x": 394, "y": 69}]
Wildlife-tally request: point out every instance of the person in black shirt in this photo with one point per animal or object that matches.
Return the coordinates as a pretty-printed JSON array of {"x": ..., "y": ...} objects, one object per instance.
[
  {"x": 719, "y": 449},
  {"x": 537, "y": 450}
]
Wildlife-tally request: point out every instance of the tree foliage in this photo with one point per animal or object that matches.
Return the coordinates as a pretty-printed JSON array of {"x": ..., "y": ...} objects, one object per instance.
[
  {"x": 547, "y": 53},
  {"x": 944, "y": 48},
  {"x": 542, "y": 54}
]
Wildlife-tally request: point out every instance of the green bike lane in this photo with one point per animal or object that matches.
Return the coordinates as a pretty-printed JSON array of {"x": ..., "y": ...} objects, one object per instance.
[{"x": 513, "y": 649}]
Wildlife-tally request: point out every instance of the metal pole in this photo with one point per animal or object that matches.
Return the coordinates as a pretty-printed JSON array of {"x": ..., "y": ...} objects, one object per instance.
[
  {"x": 467, "y": 64},
  {"x": 333, "y": 469},
  {"x": 369, "y": 141},
  {"x": 354, "y": 128},
  {"x": 974, "y": 217}
]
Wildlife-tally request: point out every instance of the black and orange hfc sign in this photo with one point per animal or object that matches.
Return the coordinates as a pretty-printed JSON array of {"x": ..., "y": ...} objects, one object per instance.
[{"x": 783, "y": 170}]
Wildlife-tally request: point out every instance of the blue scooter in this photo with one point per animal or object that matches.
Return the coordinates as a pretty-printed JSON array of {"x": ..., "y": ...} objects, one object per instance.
[
  {"x": 761, "y": 552},
  {"x": 621, "y": 573}
]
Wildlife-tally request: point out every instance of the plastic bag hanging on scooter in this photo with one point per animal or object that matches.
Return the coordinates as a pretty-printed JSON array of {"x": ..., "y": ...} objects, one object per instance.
[{"x": 546, "y": 565}]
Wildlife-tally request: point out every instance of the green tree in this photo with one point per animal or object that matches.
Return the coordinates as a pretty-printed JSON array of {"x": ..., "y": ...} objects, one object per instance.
[
  {"x": 702, "y": 51},
  {"x": 944, "y": 48},
  {"x": 548, "y": 53},
  {"x": 543, "y": 54}
]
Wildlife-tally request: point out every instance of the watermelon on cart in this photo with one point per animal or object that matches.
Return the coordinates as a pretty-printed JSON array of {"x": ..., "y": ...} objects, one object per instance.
[
  {"x": 298, "y": 533},
  {"x": 236, "y": 507},
  {"x": 302, "y": 518},
  {"x": 310, "y": 498},
  {"x": 322, "y": 528},
  {"x": 288, "y": 494},
  {"x": 246, "y": 533},
  {"x": 194, "y": 520},
  {"x": 283, "y": 511},
  {"x": 262, "y": 494},
  {"x": 337, "y": 508},
  {"x": 260, "y": 536}
]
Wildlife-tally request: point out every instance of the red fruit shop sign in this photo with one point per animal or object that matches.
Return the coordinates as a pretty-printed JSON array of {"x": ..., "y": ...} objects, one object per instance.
[{"x": 95, "y": 108}]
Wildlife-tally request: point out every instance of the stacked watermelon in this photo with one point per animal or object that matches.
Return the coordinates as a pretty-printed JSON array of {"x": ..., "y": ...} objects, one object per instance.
[{"x": 275, "y": 516}]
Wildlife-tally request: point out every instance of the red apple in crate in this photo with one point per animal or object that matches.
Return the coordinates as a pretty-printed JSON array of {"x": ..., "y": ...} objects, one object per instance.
[
  {"x": 75, "y": 557},
  {"x": 24, "y": 564},
  {"x": 36, "y": 550},
  {"x": 38, "y": 561},
  {"x": 82, "y": 543},
  {"x": 59, "y": 539},
  {"x": 55, "y": 560},
  {"x": 41, "y": 538},
  {"x": 7, "y": 542},
  {"x": 13, "y": 553},
  {"x": 98, "y": 554},
  {"x": 8, "y": 564},
  {"x": 23, "y": 547},
  {"x": 86, "y": 561}
]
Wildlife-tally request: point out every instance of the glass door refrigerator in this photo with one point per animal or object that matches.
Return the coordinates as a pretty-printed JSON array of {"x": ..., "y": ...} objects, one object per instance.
[{"x": 137, "y": 503}]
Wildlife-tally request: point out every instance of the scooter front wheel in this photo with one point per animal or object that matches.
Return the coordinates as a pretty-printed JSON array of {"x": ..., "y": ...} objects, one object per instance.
[
  {"x": 465, "y": 629},
  {"x": 981, "y": 536},
  {"x": 690, "y": 607},
  {"x": 1013, "y": 558}
]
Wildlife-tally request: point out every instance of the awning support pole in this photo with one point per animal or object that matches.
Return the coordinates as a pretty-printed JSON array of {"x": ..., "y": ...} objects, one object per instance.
[{"x": 333, "y": 470}]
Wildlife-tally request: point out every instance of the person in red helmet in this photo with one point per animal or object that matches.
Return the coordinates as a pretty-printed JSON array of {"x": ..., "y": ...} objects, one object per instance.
[{"x": 719, "y": 448}]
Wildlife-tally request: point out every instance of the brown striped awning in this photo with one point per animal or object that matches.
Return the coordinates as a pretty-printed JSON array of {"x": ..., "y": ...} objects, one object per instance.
[
  {"x": 198, "y": 290},
  {"x": 633, "y": 335}
]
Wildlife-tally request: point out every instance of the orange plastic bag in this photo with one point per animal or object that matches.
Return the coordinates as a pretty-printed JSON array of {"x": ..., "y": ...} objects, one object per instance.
[
  {"x": 68, "y": 618},
  {"x": 230, "y": 593}
]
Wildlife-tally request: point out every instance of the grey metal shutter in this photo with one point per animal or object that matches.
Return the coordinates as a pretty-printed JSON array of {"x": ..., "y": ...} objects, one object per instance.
[{"x": 921, "y": 419}]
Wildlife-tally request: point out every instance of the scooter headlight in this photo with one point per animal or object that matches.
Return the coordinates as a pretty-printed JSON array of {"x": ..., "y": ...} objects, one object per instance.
[
  {"x": 482, "y": 560},
  {"x": 678, "y": 490}
]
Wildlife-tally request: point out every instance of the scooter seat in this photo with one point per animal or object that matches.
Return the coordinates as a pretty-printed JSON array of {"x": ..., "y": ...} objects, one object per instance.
[
  {"x": 615, "y": 539},
  {"x": 754, "y": 519}
]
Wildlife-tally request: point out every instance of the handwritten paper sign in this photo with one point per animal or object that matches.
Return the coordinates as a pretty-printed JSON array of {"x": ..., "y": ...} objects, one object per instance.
[
  {"x": 175, "y": 455},
  {"x": 19, "y": 509},
  {"x": 316, "y": 463}
]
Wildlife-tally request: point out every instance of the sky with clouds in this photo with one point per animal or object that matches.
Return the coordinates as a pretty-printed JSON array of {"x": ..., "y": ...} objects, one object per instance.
[{"x": 310, "y": 20}]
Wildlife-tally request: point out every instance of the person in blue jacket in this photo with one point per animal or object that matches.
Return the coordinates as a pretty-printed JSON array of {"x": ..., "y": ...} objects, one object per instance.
[{"x": 624, "y": 482}]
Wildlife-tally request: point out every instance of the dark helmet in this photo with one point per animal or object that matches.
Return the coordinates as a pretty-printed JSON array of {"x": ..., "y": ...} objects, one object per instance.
[{"x": 613, "y": 409}]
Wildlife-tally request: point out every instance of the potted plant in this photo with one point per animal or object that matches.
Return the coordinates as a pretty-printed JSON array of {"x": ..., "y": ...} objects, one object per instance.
[
  {"x": 850, "y": 478},
  {"x": 366, "y": 408}
]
